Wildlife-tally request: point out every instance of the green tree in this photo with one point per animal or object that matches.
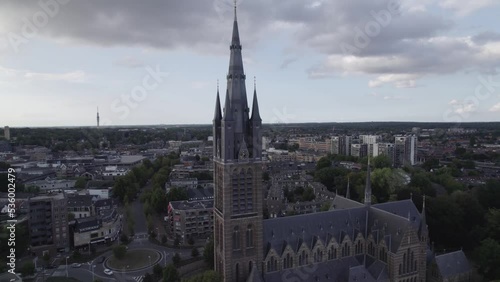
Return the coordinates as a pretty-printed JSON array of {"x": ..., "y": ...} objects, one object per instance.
[
  {"x": 308, "y": 194},
  {"x": 191, "y": 240},
  {"x": 170, "y": 274},
  {"x": 164, "y": 239},
  {"x": 28, "y": 269},
  {"x": 323, "y": 162},
  {"x": 444, "y": 220},
  {"x": 176, "y": 259},
  {"x": 207, "y": 276},
  {"x": 381, "y": 161},
  {"x": 150, "y": 278},
  {"x": 489, "y": 194},
  {"x": 488, "y": 259},
  {"x": 157, "y": 271},
  {"x": 80, "y": 183},
  {"x": 194, "y": 252},
  {"x": 46, "y": 258},
  {"x": 385, "y": 182},
  {"x": 493, "y": 224},
  {"x": 124, "y": 238},
  {"x": 325, "y": 206},
  {"x": 208, "y": 253},
  {"x": 119, "y": 251}
]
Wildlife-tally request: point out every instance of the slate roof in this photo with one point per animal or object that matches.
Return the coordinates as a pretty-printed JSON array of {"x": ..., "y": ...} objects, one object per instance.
[
  {"x": 334, "y": 270},
  {"x": 83, "y": 224},
  {"x": 344, "y": 203},
  {"x": 295, "y": 230},
  {"x": 100, "y": 203},
  {"x": 387, "y": 221},
  {"x": 452, "y": 264},
  {"x": 360, "y": 273},
  {"x": 80, "y": 201}
]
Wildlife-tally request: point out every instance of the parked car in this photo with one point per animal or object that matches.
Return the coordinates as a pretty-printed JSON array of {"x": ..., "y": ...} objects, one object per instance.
[
  {"x": 76, "y": 265},
  {"x": 108, "y": 271}
]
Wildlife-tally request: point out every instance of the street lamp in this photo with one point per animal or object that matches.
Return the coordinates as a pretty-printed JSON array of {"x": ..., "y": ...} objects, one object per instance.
[
  {"x": 149, "y": 260},
  {"x": 67, "y": 266},
  {"x": 93, "y": 266}
]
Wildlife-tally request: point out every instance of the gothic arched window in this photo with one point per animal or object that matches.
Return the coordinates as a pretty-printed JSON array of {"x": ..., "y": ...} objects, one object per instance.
[
  {"x": 249, "y": 236},
  {"x": 236, "y": 238}
]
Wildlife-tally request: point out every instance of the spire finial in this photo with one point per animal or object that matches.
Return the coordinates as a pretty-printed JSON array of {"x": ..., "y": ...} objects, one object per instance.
[
  {"x": 235, "y": 10},
  {"x": 254, "y": 83},
  {"x": 217, "y": 86},
  {"x": 348, "y": 192}
]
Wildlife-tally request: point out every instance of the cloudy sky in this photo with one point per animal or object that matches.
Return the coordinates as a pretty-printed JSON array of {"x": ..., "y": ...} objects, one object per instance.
[{"x": 158, "y": 61}]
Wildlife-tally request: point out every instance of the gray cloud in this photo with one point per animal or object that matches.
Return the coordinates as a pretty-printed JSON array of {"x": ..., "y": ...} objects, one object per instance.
[
  {"x": 486, "y": 37},
  {"x": 412, "y": 44}
]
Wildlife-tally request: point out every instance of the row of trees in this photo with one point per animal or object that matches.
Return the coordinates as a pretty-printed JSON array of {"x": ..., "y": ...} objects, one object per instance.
[{"x": 81, "y": 139}]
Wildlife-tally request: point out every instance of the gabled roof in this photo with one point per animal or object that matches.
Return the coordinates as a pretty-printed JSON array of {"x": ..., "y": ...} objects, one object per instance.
[
  {"x": 80, "y": 200},
  {"x": 452, "y": 264},
  {"x": 340, "y": 203},
  {"x": 303, "y": 228},
  {"x": 333, "y": 270},
  {"x": 360, "y": 274}
]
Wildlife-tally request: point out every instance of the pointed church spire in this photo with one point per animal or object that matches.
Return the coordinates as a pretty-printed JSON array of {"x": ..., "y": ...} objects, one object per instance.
[
  {"x": 368, "y": 187},
  {"x": 423, "y": 230},
  {"x": 423, "y": 212},
  {"x": 348, "y": 193},
  {"x": 227, "y": 107},
  {"x": 98, "y": 116},
  {"x": 255, "y": 104},
  {"x": 235, "y": 60},
  {"x": 218, "y": 113}
]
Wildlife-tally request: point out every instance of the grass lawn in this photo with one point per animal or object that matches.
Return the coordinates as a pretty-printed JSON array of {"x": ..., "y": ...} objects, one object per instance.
[{"x": 133, "y": 259}]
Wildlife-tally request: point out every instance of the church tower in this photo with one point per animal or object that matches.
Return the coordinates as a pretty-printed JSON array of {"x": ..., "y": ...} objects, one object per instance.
[{"x": 237, "y": 174}]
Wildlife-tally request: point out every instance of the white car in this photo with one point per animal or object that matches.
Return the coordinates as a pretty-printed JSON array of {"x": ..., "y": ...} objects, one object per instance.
[
  {"x": 76, "y": 265},
  {"x": 108, "y": 271}
]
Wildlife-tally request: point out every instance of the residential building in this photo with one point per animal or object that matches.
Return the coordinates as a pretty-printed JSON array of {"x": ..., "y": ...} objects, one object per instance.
[
  {"x": 102, "y": 228},
  {"x": 190, "y": 219},
  {"x": 341, "y": 145},
  {"x": 6, "y": 133},
  {"x": 359, "y": 150},
  {"x": 52, "y": 184},
  {"x": 405, "y": 150},
  {"x": 80, "y": 206},
  {"x": 48, "y": 223}
]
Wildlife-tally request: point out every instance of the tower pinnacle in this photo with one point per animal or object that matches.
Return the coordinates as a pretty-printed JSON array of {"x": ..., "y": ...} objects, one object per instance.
[
  {"x": 368, "y": 186},
  {"x": 97, "y": 117}
]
